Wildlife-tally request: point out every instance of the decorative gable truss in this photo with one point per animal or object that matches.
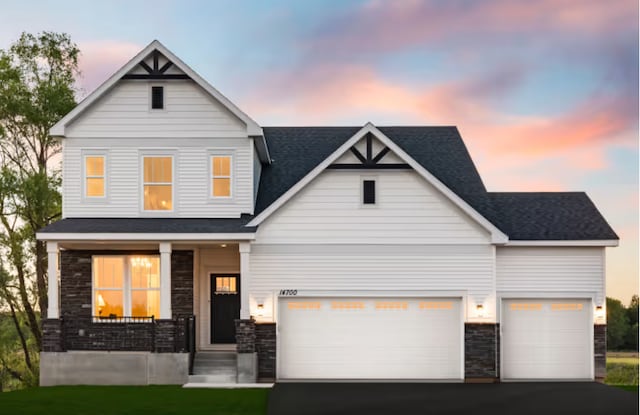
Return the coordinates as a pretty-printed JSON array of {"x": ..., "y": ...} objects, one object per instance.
[
  {"x": 155, "y": 71},
  {"x": 383, "y": 159}
]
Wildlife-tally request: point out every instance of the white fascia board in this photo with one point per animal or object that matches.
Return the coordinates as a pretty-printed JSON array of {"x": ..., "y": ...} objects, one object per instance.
[
  {"x": 497, "y": 236},
  {"x": 58, "y": 130},
  {"x": 96, "y": 237},
  {"x": 594, "y": 242}
]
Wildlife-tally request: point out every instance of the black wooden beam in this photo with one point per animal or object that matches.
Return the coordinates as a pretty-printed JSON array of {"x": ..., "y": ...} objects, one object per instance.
[
  {"x": 146, "y": 67},
  {"x": 156, "y": 57},
  {"x": 165, "y": 67},
  {"x": 358, "y": 154},
  {"x": 381, "y": 154},
  {"x": 158, "y": 77},
  {"x": 367, "y": 166},
  {"x": 369, "y": 147}
]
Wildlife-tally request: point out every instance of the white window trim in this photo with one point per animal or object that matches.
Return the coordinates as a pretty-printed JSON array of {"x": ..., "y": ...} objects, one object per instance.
[
  {"x": 158, "y": 153},
  {"x": 164, "y": 97},
  {"x": 232, "y": 170},
  {"x": 83, "y": 186},
  {"x": 375, "y": 205},
  {"x": 126, "y": 289}
]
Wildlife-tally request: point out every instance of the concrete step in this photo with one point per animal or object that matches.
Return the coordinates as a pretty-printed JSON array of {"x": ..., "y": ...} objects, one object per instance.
[
  {"x": 219, "y": 378},
  {"x": 214, "y": 371}
]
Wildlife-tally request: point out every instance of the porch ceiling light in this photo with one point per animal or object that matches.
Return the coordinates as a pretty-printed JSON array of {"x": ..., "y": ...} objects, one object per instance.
[{"x": 223, "y": 245}]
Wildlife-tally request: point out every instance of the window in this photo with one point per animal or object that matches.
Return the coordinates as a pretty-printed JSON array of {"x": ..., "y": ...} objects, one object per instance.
[
  {"x": 158, "y": 183},
  {"x": 221, "y": 176},
  {"x": 94, "y": 176},
  {"x": 157, "y": 97},
  {"x": 226, "y": 285},
  {"x": 369, "y": 192},
  {"x": 126, "y": 286}
]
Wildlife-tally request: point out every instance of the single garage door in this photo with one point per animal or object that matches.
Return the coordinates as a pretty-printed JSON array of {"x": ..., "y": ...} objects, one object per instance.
[
  {"x": 370, "y": 338},
  {"x": 546, "y": 339}
]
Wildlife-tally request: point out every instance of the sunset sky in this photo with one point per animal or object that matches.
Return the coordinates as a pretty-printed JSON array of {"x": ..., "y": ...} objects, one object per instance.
[{"x": 545, "y": 92}]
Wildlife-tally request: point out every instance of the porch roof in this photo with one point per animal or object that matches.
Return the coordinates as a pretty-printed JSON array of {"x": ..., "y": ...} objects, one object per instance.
[{"x": 151, "y": 225}]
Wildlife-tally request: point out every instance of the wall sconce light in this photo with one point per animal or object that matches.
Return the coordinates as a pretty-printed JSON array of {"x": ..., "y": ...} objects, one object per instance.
[
  {"x": 599, "y": 311},
  {"x": 480, "y": 310},
  {"x": 260, "y": 310}
]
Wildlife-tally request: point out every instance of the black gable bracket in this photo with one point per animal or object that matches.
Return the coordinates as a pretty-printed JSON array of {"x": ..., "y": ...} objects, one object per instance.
[
  {"x": 157, "y": 72},
  {"x": 367, "y": 166},
  {"x": 369, "y": 162}
]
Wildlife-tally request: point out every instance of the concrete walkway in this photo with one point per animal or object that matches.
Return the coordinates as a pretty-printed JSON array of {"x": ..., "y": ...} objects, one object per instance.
[{"x": 443, "y": 399}]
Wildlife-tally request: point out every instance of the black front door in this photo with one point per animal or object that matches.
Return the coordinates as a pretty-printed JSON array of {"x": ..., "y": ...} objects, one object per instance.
[{"x": 225, "y": 307}]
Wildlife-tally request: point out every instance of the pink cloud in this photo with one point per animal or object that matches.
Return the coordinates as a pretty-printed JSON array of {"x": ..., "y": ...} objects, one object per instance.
[
  {"x": 384, "y": 25},
  {"x": 100, "y": 59}
]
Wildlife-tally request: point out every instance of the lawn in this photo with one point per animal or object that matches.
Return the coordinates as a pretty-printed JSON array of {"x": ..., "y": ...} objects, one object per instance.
[
  {"x": 622, "y": 370},
  {"x": 130, "y": 400}
]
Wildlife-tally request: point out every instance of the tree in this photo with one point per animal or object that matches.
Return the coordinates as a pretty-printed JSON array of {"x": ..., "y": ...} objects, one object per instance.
[
  {"x": 37, "y": 76},
  {"x": 617, "y": 324},
  {"x": 631, "y": 339}
]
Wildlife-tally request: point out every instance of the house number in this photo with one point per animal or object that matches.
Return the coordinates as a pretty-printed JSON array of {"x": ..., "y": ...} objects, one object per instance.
[{"x": 288, "y": 292}]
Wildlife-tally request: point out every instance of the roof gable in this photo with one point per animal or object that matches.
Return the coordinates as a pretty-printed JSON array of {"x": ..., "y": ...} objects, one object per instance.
[
  {"x": 151, "y": 62},
  {"x": 370, "y": 129}
]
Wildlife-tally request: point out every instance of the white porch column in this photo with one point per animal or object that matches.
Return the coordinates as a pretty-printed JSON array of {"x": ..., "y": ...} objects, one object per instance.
[
  {"x": 165, "y": 280},
  {"x": 245, "y": 280},
  {"x": 52, "y": 272}
]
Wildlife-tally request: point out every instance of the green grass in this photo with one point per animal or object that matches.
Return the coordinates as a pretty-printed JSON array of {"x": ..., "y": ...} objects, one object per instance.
[
  {"x": 133, "y": 400},
  {"x": 630, "y": 388},
  {"x": 628, "y": 360}
]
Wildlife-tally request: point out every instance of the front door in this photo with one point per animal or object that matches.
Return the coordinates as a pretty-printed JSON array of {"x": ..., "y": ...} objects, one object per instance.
[{"x": 225, "y": 307}]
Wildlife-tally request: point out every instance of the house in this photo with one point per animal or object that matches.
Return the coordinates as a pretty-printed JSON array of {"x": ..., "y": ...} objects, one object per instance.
[{"x": 196, "y": 245}]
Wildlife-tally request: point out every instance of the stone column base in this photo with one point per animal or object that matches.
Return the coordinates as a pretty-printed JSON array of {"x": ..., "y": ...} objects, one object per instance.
[{"x": 247, "y": 367}]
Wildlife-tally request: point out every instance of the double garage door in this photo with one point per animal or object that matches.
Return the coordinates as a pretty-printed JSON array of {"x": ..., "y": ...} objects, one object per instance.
[
  {"x": 422, "y": 338},
  {"x": 370, "y": 338},
  {"x": 546, "y": 339}
]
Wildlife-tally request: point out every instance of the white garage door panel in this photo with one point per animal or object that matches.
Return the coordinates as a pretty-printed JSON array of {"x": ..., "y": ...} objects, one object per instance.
[
  {"x": 370, "y": 338},
  {"x": 546, "y": 339}
]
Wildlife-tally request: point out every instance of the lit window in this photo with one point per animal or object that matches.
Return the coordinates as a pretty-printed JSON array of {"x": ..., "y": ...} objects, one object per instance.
[
  {"x": 221, "y": 176},
  {"x": 94, "y": 176},
  {"x": 126, "y": 286},
  {"x": 158, "y": 183},
  {"x": 226, "y": 285}
]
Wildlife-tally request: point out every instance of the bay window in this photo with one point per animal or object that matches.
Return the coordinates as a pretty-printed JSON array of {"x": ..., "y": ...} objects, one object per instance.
[{"x": 126, "y": 286}]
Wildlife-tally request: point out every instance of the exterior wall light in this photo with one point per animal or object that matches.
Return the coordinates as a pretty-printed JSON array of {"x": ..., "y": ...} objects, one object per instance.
[
  {"x": 480, "y": 310},
  {"x": 599, "y": 311},
  {"x": 260, "y": 310}
]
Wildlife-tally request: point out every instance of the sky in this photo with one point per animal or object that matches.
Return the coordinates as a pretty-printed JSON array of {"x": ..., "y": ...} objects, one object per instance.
[{"x": 544, "y": 93}]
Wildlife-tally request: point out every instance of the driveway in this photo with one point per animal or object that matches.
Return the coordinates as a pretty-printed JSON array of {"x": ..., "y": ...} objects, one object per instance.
[{"x": 454, "y": 398}]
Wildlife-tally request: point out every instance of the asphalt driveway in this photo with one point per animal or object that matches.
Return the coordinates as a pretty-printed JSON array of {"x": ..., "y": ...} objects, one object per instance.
[{"x": 453, "y": 398}]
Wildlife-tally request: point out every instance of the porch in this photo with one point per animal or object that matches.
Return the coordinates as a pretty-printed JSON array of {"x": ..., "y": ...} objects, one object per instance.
[{"x": 187, "y": 298}]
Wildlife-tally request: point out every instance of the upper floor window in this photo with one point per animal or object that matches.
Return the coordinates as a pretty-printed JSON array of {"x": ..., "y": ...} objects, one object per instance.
[
  {"x": 158, "y": 182},
  {"x": 94, "y": 169},
  {"x": 157, "y": 97},
  {"x": 221, "y": 176},
  {"x": 368, "y": 192}
]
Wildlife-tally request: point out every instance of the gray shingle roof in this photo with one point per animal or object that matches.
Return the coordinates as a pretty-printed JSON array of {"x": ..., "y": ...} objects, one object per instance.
[
  {"x": 549, "y": 216},
  {"x": 440, "y": 150},
  {"x": 150, "y": 225}
]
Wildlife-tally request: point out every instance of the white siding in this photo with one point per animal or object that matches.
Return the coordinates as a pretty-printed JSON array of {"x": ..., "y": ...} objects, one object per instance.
[
  {"x": 408, "y": 210},
  {"x": 125, "y": 112},
  {"x": 551, "y": 269},
  {"x": 191, "y": 177},
  {"x": 366, "y": 268}
]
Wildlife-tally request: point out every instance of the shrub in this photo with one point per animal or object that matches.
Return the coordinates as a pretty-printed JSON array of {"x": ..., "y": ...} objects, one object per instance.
[{"x": 622, "y": 374}]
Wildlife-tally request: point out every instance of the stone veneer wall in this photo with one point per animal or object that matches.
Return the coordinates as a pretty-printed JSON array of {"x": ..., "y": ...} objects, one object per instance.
[
  {"x": 480, "y": 350},
  {"x": 266, "y": 348},
  {"x": 77, "y": 331},
  {"x": 600, "y": 351},
  {"x": 246, "y": 336}
]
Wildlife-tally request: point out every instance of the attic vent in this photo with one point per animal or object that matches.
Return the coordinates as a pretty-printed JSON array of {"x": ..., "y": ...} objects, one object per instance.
[
  {"x": 369, "y": 192},
  {"x": 157, "y": 97}
]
